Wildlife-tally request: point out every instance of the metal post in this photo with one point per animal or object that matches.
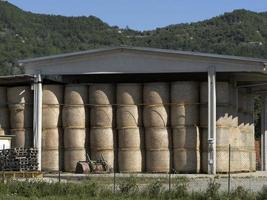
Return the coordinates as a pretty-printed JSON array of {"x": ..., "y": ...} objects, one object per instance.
[
  {"x": 211, "y": 120},
  {"x": 264, "y": 134},
  {"x": 229, "y": 170},
  {"x": 37, "y": 117},
  {"x": 114, "y": 181}
]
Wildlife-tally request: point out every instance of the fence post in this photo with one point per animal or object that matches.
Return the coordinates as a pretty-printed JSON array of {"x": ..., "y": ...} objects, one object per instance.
[
  {"x": 170, "y": 181},
  {"x": 229, "y": 170},
  {"x": 114, "y": 181}
]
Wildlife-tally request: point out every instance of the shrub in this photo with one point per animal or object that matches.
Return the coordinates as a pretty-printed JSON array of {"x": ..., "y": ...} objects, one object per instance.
[
  {"x": 212, "y": 191},
  {"x": 128, "y": 186},
  {"x": 180, "y": 189},
  {"x": 154, "y": 189},
  {"x": 262, "y": 195}
]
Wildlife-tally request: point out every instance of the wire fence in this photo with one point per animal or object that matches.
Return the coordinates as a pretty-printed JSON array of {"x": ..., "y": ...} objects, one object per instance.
[{"x": 235, "y": 177}]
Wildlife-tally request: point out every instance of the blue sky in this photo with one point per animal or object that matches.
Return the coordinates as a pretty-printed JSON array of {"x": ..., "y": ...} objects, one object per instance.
[{"x": 141, "y": 14}]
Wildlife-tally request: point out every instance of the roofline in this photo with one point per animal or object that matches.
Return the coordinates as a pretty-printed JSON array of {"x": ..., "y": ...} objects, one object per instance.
[{"x": 143, "y": 49}]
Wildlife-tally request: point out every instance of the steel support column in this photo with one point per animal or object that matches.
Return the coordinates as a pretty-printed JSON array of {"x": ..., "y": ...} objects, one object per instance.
[
  {"x": 264, "y": 134},
  {"x": 212, "y": 120},
  {"x": 37, "y": 117}
]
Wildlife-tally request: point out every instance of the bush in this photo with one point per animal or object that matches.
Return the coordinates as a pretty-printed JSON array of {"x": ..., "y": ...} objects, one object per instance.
[
  {"x": 128, "y": 186},
  {"x": 180, "y": 189},
  {"x": 212, "y": 191},
  {"x": 242, "y": 194},
  {"x": 154, "y": 189},
  {"x": 262, "y": 195}
]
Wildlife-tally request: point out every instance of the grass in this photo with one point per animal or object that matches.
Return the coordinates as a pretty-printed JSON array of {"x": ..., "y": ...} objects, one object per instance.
[{"x": 128, "y": 188}]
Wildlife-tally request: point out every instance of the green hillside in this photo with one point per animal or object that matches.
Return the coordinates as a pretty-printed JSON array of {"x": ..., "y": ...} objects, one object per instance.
[{"x": 24, "y": 34}]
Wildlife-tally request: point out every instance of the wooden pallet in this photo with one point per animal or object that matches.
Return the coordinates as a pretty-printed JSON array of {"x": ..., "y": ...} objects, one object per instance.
[{"x": 16, "y": 174}]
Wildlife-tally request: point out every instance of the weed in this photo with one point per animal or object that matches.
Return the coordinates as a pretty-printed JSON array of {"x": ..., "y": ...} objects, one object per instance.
[{"x": 129, "y": 186}]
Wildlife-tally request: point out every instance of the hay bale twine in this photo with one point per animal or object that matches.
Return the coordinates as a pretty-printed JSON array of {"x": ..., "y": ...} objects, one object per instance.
[
  {"x": 75, "y": 142},
  {"x": 101, "y": 116},
  {"x": 128, "y": 116},
  {"x": 101, "y": 94},
  {"x": 129, "y": 94},
  {"x": 156, "y": 116},
  {"x": 23, "y": 138},
  {"x": 184, "y": 99},
  {"x": 186, "y": 144},
  {"x": 50, "y": 149}
]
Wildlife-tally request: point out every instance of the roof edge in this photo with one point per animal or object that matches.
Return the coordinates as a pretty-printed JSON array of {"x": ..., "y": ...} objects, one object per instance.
[{"x": 141, "y": 49}]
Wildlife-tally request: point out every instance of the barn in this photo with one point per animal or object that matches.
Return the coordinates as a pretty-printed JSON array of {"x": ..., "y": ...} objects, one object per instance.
[{"x": 144, "y": 110}]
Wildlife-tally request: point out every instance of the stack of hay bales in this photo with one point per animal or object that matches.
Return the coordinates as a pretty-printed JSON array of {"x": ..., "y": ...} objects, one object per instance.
[
  {"x": 184, "y": 122},
  {"x": 4, "y": 112},
  {"x": 130, "y": 134},
  {"x": 157, "y": 135},
  {"x": 247, "y": 143},
  {"x": 52, "y": 145},
  {"x": 75, "y": 120},
  {"x": 102, "y": 136},
  {"x": 226, "y": 128},
  {"x": 20, "y": 103}
]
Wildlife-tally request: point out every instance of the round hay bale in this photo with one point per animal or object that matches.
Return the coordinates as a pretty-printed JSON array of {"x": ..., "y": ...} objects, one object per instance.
[
  {"x": 129, "y": 94},
  {"x": 23, "y": 138},
  {"x": 101, "y": 116},
  {"x": 155, "y": 116},
  {"x": 101, "y": 94},
  {"x": 157, "y": 138},
  {"x": 156, "y": 93},
  {"x": 19, "y": 95},
  {"x": 76, "y": 95},
  {"x": 51, "y": 116},
  {"x": 132, "y": 138},
  {"x": 158, "y": 161},
  {"x": 74, "y": 116},
  {"x": 53, "y": 94},
  {"x": 21, "y": 118},
  {"x": 128, "y": 116},
  {"x": 130, "y": 160}
]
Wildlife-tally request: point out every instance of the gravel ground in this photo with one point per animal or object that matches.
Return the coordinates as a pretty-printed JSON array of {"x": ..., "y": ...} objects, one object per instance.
[{"x": 197, "y": 182}]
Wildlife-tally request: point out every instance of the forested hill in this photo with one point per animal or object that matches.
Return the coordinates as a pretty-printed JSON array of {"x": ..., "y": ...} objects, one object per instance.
[{"x": 24, "y": 34}]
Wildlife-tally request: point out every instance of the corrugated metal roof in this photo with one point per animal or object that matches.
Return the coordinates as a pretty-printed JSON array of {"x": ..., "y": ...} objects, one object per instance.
[{"x": 142, "y": 49}]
